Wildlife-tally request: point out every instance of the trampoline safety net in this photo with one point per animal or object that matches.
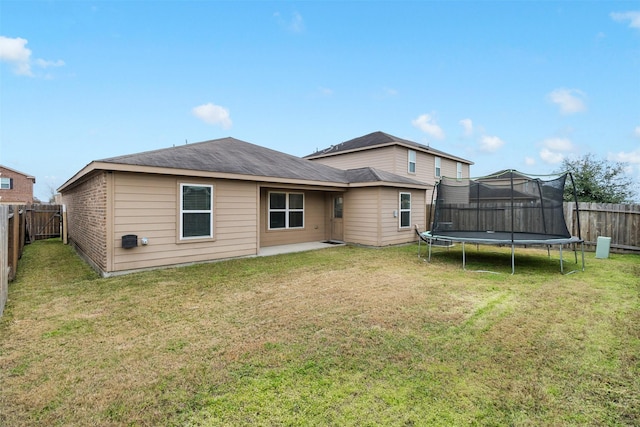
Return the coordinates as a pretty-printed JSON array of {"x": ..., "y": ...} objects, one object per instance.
[{"x": 507, "y": 202}]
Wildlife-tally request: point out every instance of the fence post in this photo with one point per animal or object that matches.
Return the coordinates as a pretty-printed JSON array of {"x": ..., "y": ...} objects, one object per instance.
[
  {"x": 4, "y": 261},
  {"x": 14, "y": 244},
  {"x": 65, "y": 237}
]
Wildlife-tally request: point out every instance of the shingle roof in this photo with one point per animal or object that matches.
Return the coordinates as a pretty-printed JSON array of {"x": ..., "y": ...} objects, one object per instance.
[
  {"x": 230, "y": 155},
  {"x": 505, "y": 173},
  {"x": 368, "y": 174},
  {"x": 377, "y": 139}
]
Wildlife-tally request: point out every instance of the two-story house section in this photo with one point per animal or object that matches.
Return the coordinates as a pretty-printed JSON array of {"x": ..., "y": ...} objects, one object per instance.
[
  {"x": 15, "y": 186},
  {"x": 396, "y": 155}
]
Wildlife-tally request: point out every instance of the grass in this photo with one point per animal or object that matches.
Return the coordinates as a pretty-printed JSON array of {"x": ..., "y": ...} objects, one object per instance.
[{"x": 342, "y": 336}]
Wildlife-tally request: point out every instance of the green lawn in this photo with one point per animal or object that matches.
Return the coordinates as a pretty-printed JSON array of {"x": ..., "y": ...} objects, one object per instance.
[{"x": 341, "y": 336}]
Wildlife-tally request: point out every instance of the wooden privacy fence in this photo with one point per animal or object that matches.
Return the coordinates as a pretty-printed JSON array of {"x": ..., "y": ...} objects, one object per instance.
[
  {"x": 20, "y": 225},
  {"x": 43, "y": 222},
  {"x": 620, "y": 222},
  {"x": 12, "y": 226},
  {"x": 4, "y": 259}
]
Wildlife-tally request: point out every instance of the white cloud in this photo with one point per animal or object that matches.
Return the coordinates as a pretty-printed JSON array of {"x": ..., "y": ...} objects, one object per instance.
[
  {"x": 467, "y": 125},
  {"x": 15, "y": 52},
  {"x": 570, "y": 101},
  {"x": 213, "y": 115},
  {"x": 632, "y": 160},
  {"x": 549, "y": 156},
  {"x": 490, "y": 144},
  {"x": 529, "y": 161},
  {"x": 632, "y": 157},
  {"x": 295, "y": 24},
  {"x": 554, "y": 149},
  {"x": 636, "y": 132},
  {"x": 47, "y": 64},
  {"x": 428, "y": 125},
  {"x": 558, "y": 144},
  {"x": 633, "y": 17}
]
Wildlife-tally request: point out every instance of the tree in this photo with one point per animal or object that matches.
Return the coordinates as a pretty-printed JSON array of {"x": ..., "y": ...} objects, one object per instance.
[{"x": 598, "y": 180}]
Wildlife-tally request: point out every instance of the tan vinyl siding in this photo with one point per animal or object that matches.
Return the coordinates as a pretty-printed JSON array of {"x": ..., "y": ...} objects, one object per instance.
[
  {"x": 361, "y": 218},
  {"x": 148, "y": 206},
  {"x": 379, "y": 158},
  {"x": 369, "y": 216},
  {"x": 391, "y": 233},
  {"x": 395, "y": 159},
  {"x": 450, "y": 169},
  {"x": 315, "y": 222},
  {"x": 426, "y": 167}
]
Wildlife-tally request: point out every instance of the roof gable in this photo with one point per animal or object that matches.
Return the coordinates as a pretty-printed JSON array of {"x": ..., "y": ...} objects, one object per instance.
[{"x": 26, "y": 175}]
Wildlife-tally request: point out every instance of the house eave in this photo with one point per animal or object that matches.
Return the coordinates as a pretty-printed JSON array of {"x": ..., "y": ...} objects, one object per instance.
[
  {"x": 262, "y": 180},
  {"x": 390, "y": 184},
  {"x": 155, "y": 170}
]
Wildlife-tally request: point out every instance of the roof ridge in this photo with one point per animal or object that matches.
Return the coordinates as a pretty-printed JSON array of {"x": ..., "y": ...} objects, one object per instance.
[
  {"x": 174, "y": 147},
  {"x": 379, "y": 139}
]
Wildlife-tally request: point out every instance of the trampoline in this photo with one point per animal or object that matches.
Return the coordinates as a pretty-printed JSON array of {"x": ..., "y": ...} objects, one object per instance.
[{"x": 508, "y": 208}]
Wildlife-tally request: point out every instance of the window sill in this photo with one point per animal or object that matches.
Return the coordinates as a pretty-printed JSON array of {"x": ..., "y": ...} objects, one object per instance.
[{"x": 195, "y": 240}]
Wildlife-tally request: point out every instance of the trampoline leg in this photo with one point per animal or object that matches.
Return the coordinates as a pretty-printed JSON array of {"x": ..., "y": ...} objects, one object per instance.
[
  {"x": 561, "y": 266},
  {"x": 464, "y": 263},
  {"x": 513, "y": 259},
  {"x": 430, "y": 241},
  {"x": 582, "y": 247}
]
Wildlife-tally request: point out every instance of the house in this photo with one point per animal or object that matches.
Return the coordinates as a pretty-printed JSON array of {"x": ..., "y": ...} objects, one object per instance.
[
  {"x": 228, "y": 198},
  {"x": 16, "y": 187},
  {"x": 396, "y": 155},
  {"x": 511, "y": 184}
]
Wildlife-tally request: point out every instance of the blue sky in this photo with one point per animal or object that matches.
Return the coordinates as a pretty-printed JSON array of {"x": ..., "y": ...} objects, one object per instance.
[{"x": 505, "y": 84}]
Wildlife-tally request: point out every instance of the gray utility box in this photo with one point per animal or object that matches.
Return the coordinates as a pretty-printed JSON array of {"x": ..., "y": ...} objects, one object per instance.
[{"x": 602, "y": 247}]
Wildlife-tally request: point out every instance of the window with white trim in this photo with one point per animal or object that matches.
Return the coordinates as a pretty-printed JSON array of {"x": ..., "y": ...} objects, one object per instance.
[
  {"x": 5, "y": 183},
  {"x": 438, "y": 168},
  {"x": 286, "y": 210},
  {"x": 412, "y": 161},
  {"x": 459, "y": 170},
  {"x": 196, "y": 211},
  {"x": 405, "y": 210}
]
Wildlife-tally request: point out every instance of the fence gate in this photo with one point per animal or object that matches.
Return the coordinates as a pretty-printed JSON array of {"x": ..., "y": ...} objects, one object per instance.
[{"x": 43, "y": 222}]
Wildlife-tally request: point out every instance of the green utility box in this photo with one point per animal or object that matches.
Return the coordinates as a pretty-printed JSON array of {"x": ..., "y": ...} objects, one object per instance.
[{"x": 602, "y": 247}]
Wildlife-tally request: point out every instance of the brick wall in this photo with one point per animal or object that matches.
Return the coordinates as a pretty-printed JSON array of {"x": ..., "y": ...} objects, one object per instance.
[
  {"x": 86, "y": 206},
  {"x": 22, "y": 191}
]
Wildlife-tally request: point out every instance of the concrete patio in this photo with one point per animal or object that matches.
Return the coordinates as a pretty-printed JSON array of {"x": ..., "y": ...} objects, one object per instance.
[{"x": 297, "y": 247}]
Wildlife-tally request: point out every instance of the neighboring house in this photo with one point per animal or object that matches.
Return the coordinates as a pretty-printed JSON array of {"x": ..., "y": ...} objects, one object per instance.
[
  {"x": 228, "y": 198},
  {"x": 16, "y": 187},
  {"x": 396, "y": 155},
  {"x": 511, "y": 184}
]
